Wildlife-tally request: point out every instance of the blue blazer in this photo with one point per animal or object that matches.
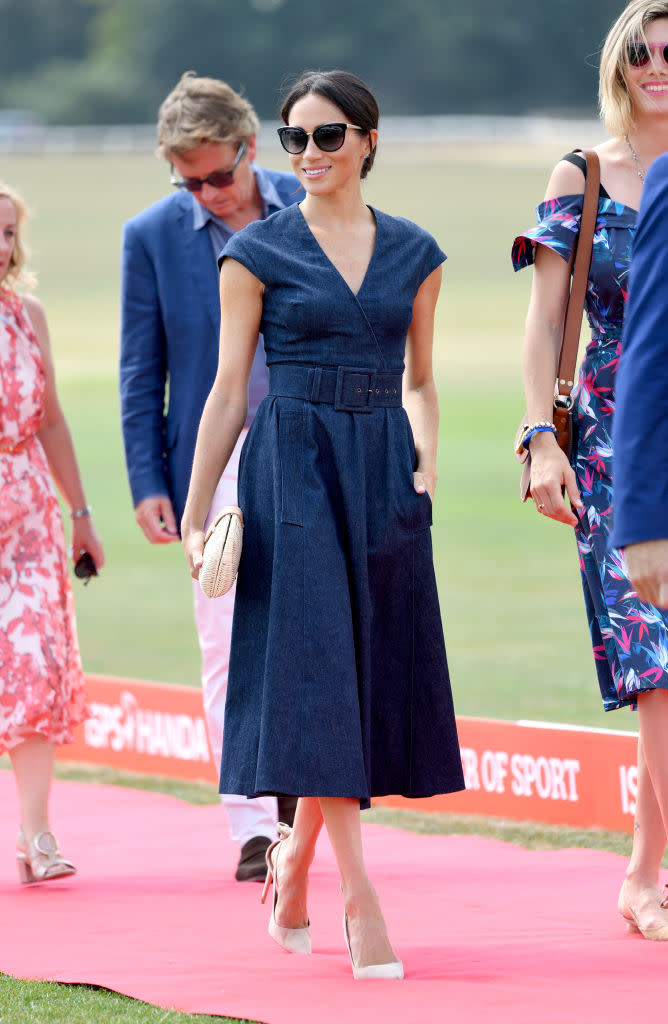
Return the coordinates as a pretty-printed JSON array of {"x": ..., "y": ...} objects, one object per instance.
[
  {"x": 640, "y": 428},
  {"x": 170, "y": 320}
]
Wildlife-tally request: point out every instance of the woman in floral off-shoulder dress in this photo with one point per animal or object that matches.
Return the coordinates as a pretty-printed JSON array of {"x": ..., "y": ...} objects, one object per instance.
[
  {"x": 629, "y": 637},
  {"x": 41, "y": 682}
]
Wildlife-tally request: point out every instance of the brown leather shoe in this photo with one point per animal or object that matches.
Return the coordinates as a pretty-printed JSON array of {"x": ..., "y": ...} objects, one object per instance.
[
  {"x": 252, "y": 866},
  {"x": 287, "y": 805}
]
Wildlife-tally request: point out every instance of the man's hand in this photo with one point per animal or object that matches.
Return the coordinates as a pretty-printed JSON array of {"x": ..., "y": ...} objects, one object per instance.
[
  {"x": 156, "y": 518},
  {"x": 647, "y": 563}
]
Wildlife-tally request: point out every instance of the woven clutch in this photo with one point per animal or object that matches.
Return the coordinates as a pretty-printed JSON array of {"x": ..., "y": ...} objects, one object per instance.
[{"x": 222, "y": 551}]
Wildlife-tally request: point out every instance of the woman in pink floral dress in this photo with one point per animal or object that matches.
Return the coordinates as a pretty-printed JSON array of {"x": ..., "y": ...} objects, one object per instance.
[{"x": 41, "y": 683}]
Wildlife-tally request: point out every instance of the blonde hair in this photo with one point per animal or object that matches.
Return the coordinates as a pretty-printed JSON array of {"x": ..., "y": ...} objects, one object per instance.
[
  {"x": 614, "y": 100},
  {"x": 17, "y": 273},
  {"x": 201, "y": 110}
]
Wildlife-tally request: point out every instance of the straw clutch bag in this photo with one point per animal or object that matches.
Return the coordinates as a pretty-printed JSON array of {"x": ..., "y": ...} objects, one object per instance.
[{"x": 222, "y": 551}]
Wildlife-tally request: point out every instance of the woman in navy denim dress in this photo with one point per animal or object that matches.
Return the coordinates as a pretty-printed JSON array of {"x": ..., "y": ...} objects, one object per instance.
[{"x": 339, "y": 688}]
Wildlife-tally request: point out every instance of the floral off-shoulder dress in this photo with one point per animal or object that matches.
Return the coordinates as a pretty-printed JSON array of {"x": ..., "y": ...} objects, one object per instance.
[
  {"x": 41, "y": 682},
  {"x": 629, "y": 638}
]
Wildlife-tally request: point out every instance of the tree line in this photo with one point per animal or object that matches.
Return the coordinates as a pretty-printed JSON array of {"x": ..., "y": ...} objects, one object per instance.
[{"x": 112, "y": 61}]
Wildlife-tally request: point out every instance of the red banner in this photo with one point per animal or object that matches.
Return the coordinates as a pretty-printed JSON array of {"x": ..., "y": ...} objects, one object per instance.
[{"x": 560, "y": 775}]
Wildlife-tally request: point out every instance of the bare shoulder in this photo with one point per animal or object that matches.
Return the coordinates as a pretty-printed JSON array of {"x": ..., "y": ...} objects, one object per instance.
[
  {"x": 35, "y": 311},
  {"x": 566, "y": 180}
]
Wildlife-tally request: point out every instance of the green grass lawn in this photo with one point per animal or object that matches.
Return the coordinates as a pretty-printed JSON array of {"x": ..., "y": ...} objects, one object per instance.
[
  {"x": 515, "y": 626},
  {"x": 513, "y": 612}
]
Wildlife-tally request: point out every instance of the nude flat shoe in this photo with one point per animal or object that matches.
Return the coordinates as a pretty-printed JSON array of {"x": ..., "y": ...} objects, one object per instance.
[
  {"x": 295, "y": 940},
  {"x": 395, "y": 969},
  {"x": 40, "y": 859}
]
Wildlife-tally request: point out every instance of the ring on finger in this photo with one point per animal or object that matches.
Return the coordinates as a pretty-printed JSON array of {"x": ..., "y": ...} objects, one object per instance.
[{"x": 540, "y": 506}]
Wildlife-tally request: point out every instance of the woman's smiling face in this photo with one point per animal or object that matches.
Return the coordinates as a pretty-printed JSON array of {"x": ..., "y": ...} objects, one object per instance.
[
  {"x": 322, "y": 173},
  {"x": 648, "y": 84}
]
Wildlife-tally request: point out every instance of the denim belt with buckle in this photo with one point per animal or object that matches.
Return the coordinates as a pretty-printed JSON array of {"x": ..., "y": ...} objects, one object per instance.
[{"x": 347, "y": 388}]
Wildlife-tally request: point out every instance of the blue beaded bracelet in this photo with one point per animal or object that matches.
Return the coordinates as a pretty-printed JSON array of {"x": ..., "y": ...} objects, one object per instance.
[{"x": 538, "y": 428}]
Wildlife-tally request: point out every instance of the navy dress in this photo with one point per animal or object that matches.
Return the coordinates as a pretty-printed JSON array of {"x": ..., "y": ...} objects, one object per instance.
[
  {"x": 629, "y": 637},
  {"x": 338, "y": 681}
]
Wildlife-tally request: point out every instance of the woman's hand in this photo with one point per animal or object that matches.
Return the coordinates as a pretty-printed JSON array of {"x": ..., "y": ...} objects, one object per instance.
[
  {"x": 193, "y": 545},
  {"x": 86, "y": 538},
  {"x": 425, "y": 482},
  {"x": 551, "y": 473}
]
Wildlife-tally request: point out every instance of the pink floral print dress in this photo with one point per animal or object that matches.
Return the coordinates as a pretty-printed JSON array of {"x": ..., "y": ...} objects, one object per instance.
[{"x": 41, "y": 682}]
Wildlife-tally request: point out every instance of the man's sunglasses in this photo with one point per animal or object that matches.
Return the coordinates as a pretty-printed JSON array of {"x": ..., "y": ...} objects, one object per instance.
[
  {"x": 638, "y": 53},
  {"x": 327, "y": 137},
  {"x": 85, "y": 567},
  {"x": 219, "y": 179}
]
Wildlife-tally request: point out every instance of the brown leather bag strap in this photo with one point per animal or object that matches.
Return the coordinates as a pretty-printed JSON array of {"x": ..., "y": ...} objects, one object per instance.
[{"x": 573, "y": 321}]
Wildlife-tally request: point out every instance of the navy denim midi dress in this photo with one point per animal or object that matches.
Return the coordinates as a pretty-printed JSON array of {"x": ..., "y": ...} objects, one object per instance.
[{"x": 338, "y": 681}]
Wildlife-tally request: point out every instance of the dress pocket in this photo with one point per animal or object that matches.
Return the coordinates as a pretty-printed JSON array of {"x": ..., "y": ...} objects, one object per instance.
[{"x": 291, "y": 451}]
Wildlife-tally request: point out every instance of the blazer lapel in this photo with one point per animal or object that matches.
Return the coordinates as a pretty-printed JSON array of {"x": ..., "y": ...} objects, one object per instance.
[{"x": 199, "y": 262}]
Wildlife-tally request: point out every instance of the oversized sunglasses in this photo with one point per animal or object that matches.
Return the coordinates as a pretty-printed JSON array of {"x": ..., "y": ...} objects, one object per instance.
[
  {"x": 639, "y": 53},
  {"x": 219, "y": 179},
  {"x": 327, "y": 137}
]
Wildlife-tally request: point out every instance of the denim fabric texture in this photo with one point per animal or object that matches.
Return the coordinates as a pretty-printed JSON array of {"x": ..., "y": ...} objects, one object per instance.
[{"x": 338, "y": 680}]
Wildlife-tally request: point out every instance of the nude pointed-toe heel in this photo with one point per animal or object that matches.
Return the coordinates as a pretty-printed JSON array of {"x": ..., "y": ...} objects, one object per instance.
[
  {"x": 295, "y": 940},
  {"x": 395, "y": 969}
]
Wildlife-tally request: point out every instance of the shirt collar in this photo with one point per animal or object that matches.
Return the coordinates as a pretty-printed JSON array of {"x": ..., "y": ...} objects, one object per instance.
[{"x": 271, "y": 201}]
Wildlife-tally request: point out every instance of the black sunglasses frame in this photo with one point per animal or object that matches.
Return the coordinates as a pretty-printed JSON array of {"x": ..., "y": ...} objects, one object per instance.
[
  {"x": 219, "y": 179},
  {"x": 85, "y": 567},
  {"x": 286, "y": 132},
  {"x": 638, "y": 55}
]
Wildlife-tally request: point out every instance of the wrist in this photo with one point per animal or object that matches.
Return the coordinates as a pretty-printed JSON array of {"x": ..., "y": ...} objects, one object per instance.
[
  {"x": 534, "y": 430},
  {"x": 80, "y": 513}
]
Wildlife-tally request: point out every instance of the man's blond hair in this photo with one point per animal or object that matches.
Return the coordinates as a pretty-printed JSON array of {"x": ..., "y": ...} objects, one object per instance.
[{"x": 201, "y": 110}]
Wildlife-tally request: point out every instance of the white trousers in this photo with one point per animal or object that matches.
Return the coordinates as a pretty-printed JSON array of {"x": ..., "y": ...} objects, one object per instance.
[{"x": 213, "y": 618}]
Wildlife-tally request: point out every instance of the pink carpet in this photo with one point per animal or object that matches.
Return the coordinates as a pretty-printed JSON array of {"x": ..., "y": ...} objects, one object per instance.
[{"x": 487, "y": 931}]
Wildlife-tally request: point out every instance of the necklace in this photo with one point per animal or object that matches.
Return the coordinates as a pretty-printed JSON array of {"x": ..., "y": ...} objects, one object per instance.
[{"x": 640, "y": 170}]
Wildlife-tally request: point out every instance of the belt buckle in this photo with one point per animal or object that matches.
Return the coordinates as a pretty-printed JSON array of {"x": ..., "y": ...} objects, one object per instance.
[{"x": 354, "y": 389}]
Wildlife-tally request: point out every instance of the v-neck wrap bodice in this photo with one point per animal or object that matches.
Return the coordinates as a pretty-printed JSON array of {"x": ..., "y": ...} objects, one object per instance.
[
  {"x": 310, "y": 315},
  {"x": 338, "y": 681}
]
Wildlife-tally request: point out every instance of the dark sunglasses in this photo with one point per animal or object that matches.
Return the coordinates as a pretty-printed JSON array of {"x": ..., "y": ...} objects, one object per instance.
[
  {"x": 85, "y": 567},
  {"x": 638, "y": 53},
  {"x": 327, "y": 137},
  {"x": 219, "y": 179}
]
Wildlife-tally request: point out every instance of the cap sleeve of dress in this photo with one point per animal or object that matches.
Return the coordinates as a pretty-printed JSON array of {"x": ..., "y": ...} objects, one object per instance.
[
  {"x": 557, "y": 229},
  {"x": 245, "y": 247},
  {"x": 433, "y": 256}
]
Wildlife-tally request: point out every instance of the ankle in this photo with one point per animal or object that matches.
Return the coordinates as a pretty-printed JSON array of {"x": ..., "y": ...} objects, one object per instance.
[{"x": 641, "y": 878}]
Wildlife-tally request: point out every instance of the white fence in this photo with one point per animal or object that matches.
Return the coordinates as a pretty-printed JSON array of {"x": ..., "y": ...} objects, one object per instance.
[{"x": 31, "y": 138}]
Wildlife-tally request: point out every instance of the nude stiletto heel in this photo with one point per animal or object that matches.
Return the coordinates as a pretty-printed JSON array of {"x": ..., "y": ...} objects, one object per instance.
[
  {"x": 395, "y": 969},
  {"x": 295, "y": 940}
]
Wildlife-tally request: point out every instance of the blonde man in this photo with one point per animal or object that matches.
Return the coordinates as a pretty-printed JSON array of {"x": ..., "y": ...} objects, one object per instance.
[{"x": 169, "y": 352}]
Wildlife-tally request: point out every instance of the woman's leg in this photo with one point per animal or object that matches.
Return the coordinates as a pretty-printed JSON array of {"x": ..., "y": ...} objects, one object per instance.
[
  {"x": 296, "y": 857},
  {"x": 640, "y": 886},
  {"x": 32, "y": 762},
  {"x": 367, "y": 932}
]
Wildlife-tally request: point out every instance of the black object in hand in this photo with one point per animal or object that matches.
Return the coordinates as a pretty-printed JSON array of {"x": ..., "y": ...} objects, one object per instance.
[{"x": 85, "y": 567}]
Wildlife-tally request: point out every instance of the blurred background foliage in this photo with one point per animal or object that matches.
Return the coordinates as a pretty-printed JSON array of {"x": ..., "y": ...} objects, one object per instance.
[{"x": 112, "y": 61}]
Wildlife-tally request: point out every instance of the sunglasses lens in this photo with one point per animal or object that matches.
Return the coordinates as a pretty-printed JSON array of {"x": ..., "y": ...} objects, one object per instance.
[
  {"x": 293, "y": 140},
  {"x": 637, "y": 54},
  {"x": 329, "y": 137},
  {"x": 220, "y": 179}
]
